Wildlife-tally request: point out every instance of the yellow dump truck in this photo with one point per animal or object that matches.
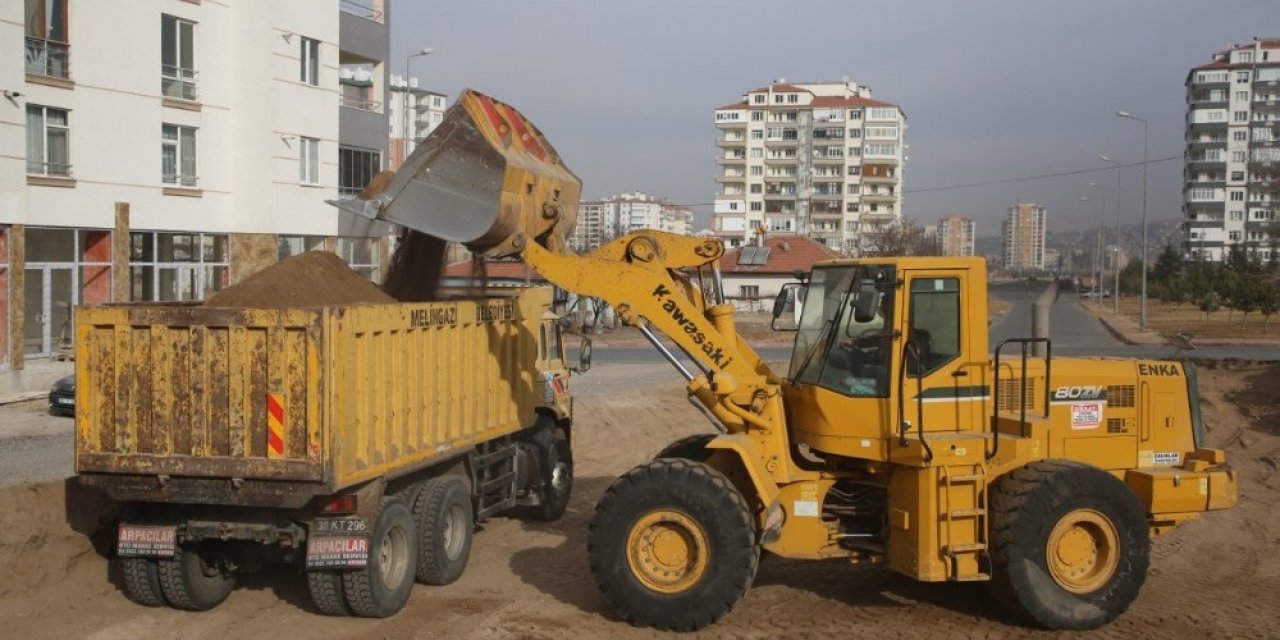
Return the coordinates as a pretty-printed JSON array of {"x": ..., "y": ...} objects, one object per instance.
[{"x": 358, "y": 442}]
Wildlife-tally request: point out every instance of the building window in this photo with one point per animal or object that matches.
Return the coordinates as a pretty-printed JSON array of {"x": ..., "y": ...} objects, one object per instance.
[
  {"x": 793, "y": 98},
  {"x": 309, "y": 161},
  {"x": 1237, "y": 215},
  {"x": 855, "y": 114},
  {"x": 1237, "y": 196},
  {"x": 310, "y": 61},
  {"x": 1240, "y": 116},
  {"x": 758, "y": 98},
  {"x": 1242, "y": 77},
  {"x": 47, "y": 135},
  {"x": 1242, "y": 95},
  {"x": 47, "y": 52},
  {"x": 757, "y": 170},
  {"x": 758, "y": 116},
  {"x": 756, "y": 188},
  {"x": 177, "y": 58},
  {"x": 1237, "y": 175},
  {"x": 1239, "y": 136},
  {"x": 356, "y": 167},
  {"x": 178, "y": 155},
  {"x": 1246, "y": 56},
  {"x": 777, "y": 98},
  {"x": 757, "y": 134},
  {"x": 1237, "y": 156},
  {"x": 756, "y": 206},
  {"x": 361, "y": 254},
  {"x": 1233, "y": 235},
  {"x": 177, "y": 266}
]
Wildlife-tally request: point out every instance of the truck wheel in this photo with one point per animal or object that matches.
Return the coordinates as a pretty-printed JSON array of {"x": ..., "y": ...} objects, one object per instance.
[
  {"x": 1070, "y": 546},
  {"x": 142, "y": 581},
  {"x": 557, "y": 485},
  {"x": 194, "y": 580},
  {"x": 381, "y": 587},
  {"x": 326, "y": 592},
  {"x": 672, "y": 545},
  {"x": 445, "y": 521}
]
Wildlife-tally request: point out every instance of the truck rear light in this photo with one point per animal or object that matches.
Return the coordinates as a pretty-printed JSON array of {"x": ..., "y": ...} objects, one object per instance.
[{"x": 340, "y": 504}]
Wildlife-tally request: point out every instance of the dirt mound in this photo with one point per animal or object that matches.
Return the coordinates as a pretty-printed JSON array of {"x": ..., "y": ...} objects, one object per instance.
[
  {"x": 416, "y": 266},
  {"x": 53, "y": 531},
  {"x": 311, "y": 279}
]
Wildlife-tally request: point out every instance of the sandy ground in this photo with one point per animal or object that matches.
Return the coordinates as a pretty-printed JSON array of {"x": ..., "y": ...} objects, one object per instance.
[{"x": 1218, "y": 576}]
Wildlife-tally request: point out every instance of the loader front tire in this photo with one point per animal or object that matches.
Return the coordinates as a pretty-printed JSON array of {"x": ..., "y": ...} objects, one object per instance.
[
  {"x": 1070, "y": 544},
  {"x": 672, "y": 545}
]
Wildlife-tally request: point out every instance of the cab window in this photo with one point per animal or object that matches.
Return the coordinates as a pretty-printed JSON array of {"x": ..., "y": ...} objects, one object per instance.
[{"x": 935, "y": 323}]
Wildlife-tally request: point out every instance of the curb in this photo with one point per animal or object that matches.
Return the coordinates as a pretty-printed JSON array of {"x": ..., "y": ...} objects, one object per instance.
[{"x": 31, "y": 395}]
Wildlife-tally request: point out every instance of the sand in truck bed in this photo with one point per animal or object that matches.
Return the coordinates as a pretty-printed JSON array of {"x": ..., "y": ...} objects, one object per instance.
[{"x": 310, "y": 279}]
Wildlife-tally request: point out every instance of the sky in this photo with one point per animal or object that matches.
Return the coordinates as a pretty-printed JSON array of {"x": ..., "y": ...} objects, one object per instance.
[{"x": 992, "y": 90}]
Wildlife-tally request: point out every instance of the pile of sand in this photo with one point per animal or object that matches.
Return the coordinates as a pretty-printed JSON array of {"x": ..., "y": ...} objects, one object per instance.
[{"x": 311, "y": 279}]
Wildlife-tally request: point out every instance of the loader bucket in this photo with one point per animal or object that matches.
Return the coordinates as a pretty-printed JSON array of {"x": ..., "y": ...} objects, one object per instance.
[{"x": 485, "y": 177}]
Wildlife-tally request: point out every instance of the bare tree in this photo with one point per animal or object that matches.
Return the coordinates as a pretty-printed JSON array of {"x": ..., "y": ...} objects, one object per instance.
[{"x": 901, "y": 238}]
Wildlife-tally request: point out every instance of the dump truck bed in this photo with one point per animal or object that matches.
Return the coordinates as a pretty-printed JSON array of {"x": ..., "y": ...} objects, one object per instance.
[{"x": 271, "y": 407}]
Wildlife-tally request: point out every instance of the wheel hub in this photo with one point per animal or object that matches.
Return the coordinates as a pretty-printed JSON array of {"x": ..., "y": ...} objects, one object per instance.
[
  {"x": 1083, "y": 551},
  {"x": 667, "y": 551}
]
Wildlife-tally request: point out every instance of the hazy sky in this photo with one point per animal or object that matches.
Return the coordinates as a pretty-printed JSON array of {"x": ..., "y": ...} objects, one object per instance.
[{"x": 992, "y": 90}]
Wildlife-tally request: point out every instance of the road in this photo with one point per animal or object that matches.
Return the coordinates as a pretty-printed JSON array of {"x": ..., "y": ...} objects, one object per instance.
[{"x": 1077, "y": 333}]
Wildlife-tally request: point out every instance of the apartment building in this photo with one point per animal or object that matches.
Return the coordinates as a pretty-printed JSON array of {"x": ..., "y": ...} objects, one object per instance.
[
  {"x": 412, "y": 109},
  {"x": 956, "y": 236},
  {"x": 1023, "y": 233},
  {"x": 603, "y": 220},
  {"x": 823, "y": 160},
  {"x": 160, "y": 150},
  {"x": 1232, "y": 163}
]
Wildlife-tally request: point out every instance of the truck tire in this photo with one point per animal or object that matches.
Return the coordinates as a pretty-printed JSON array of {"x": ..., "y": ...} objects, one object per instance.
[
  {"x": 142, "y": 581},
  {"x": 672, "y": 545},
  {"x": 1070, "y": 544},
  {"x": 326, "y": 592},
  {"x": 380, "y": 588},
  {"x": 557, "y": 483},
  {"x": 446, "y": 521},
  {"x": 194, "y": 580}
]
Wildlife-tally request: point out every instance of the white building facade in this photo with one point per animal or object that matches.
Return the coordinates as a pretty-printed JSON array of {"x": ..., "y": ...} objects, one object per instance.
[
  {"x": 1232, "y": 163},
  {"x": 163, "y": 149},
  {"x": 1023, "y": 233},
  {"x": 415, "y": 110},
  {"x": 603, "y": 220},
  {"x": 823, "y": 160},
  {"x": 956, "y": 235}
]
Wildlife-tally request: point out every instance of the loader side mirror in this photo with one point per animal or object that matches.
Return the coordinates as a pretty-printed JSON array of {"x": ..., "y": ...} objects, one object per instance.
[
  {"x": 790, "y": 298},
  {"x": 584, "y": 356},
  {"x": 864, "y": 306}
]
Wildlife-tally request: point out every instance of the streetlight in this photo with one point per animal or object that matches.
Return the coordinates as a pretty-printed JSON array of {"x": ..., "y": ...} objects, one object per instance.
[
  {"x": 404, "y": 102},
  {"x": 1098, "y": 208},
  {"x": 1115, "y": 291},
  {"x": 1142, "y": 317}
]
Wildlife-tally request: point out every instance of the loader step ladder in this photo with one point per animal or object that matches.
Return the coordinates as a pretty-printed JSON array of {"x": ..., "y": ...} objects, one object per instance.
[
  {"x": 969, "y": 480},
  {"x": 494, "y": 476}
]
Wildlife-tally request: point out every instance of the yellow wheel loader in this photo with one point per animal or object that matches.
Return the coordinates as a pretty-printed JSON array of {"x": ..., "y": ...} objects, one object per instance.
[{"x": 896, "y": 435}]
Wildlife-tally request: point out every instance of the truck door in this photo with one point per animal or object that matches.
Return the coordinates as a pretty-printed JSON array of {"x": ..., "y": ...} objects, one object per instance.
[{"x": 941, "y": 374}]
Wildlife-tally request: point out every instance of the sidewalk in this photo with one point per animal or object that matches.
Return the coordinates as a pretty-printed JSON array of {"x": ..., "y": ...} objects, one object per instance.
[
  {"x": 1126, "y": 330},
  {"x": 33, "y": 381}
]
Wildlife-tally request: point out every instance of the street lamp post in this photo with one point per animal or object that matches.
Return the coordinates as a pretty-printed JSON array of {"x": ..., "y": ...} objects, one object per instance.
[
  {"x": 1142, "y": 317},
  {"x": 1098, "y": 207},
  {"x": 1115, "y": 291},
  {"x": 404, "y": 102}
]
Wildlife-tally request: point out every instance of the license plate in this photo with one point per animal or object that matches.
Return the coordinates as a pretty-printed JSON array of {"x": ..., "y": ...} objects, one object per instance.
[
  {"x": 337, "y": 552},
  {"x": 145, "y": 541},
  {"x": 67, "y": 401}
]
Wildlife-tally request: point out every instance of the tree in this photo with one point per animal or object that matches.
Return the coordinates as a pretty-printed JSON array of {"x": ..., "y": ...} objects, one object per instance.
[
  {"x": 1268, "y": 303},
  {"x": 902, "y": 238},
  {"x": 1209, "y": 303}
]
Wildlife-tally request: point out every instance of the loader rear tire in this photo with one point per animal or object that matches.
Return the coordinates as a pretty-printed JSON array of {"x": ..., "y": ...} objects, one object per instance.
[
  {"x": 446, "y": 522},
  {"x": 1070, "y": 544},
  {"x": 142, "y": 581},
  {"x": 194, "y": 579},
  {"x": 672, "y": 545},
  {"x": 380, "y": 588}
]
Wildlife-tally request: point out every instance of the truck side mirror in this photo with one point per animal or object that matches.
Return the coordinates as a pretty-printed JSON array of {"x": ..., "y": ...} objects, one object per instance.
[
  {"x": 584, "y": 356},
  {"x": 864, "y": 306},
  {"x": 789, "y": 298}
]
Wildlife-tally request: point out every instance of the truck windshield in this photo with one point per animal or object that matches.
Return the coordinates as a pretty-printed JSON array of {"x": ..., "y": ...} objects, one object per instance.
[{"x": 833, "y": 349}]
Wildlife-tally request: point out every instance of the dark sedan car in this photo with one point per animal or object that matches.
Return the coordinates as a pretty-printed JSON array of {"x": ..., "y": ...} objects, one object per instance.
[{"x": 62, "y": 397}]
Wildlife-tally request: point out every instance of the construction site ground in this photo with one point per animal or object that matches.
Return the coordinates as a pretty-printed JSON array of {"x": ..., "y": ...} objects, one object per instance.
[{"x": 1218, "y": 576}]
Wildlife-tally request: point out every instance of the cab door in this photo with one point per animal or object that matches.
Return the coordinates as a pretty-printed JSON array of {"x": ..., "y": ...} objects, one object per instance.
[{"x": 940, "y": 374}]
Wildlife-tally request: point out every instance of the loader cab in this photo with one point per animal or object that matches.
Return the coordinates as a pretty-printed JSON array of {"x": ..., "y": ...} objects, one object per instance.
[{"x": 887, "y": 346}]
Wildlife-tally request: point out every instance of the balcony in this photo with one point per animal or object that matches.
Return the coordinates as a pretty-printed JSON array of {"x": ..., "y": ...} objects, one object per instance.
[
  {"x": 1266, "y": 84},
  {"x": 360, "y": 10},
  {"x": 1207, "y": 126},
  {"x": 361, "y": 103},
  {"x": 1206, "y": 161},
  {"x": 178, "y": 83},
  {"x": 780, "y": 142},
  {"x": 730, "y": 142},
  {"x": 48, "y": 58},
  {"x": 731, "y": 159},
  {"x": 1206, "y": 184},
  {"x": 769, "y": 160},
  {"x": 829, "y": 160},
  {"x": 780, "y": 195},
  {"x": 740, "y": 177}
]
